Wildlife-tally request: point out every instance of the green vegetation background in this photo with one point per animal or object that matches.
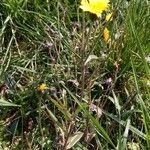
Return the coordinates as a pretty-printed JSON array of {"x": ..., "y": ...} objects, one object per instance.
[{"x": 98, "y": 94}]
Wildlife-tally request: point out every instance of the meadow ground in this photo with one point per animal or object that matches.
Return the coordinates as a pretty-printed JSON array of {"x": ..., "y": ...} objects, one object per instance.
[{"x": 72, "y": 80}]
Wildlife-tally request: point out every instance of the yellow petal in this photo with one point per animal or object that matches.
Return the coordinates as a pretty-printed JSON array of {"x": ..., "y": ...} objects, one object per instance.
[
  {"x": 42, "y": 87},
  {"x": 95, "y": 6},
  {"x": 109, "y": 17},
  {"x": 106, "y": 35}
]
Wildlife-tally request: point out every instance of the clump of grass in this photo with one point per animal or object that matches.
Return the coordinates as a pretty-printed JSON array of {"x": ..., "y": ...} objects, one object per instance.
[{"x": 95, "y": 93}]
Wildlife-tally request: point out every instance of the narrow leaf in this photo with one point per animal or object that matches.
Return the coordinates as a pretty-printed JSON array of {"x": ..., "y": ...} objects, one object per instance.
[
  {"x": 91, "y": 57},
  {"x": 6, "y": 103},
  {"x": 74, "y": 139}
]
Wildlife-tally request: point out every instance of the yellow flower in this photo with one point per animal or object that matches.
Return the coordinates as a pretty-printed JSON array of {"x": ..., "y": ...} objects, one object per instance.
[
  {"x": 42, "y": 87},
  {"x": 109, "y": 17},
  {"x": 94, "y": 6},
  {"x": 106, "y": 35}
]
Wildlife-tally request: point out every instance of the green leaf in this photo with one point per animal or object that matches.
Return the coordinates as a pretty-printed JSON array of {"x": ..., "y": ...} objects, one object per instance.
[
  {"x": 125, "y": 135},
  {"x": 133, "y": 129},
  {"x": 116, "y": 101},
  {"x": 6, "y": 103},
  {"x": 90, "y": 58},
  {"x": 94, "y": 121},
  {"x": 74, "y": 139},
  {"x": 24, "y": 69}
]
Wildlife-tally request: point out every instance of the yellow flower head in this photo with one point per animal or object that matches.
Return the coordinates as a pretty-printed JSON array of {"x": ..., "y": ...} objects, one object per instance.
[
  {"x": 94, "y": 6},
  {"x": 106, "y": 35},
  {"x": 42, "y": 87}
]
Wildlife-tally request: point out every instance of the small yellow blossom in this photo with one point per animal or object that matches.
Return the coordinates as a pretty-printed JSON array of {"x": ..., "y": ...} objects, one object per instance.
[
  {"x": 106, "y": 35},
  {"x": 109, "y": 17},
  {"x": 95, "y": 6},
  {"x": 42, "y": 87}
]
